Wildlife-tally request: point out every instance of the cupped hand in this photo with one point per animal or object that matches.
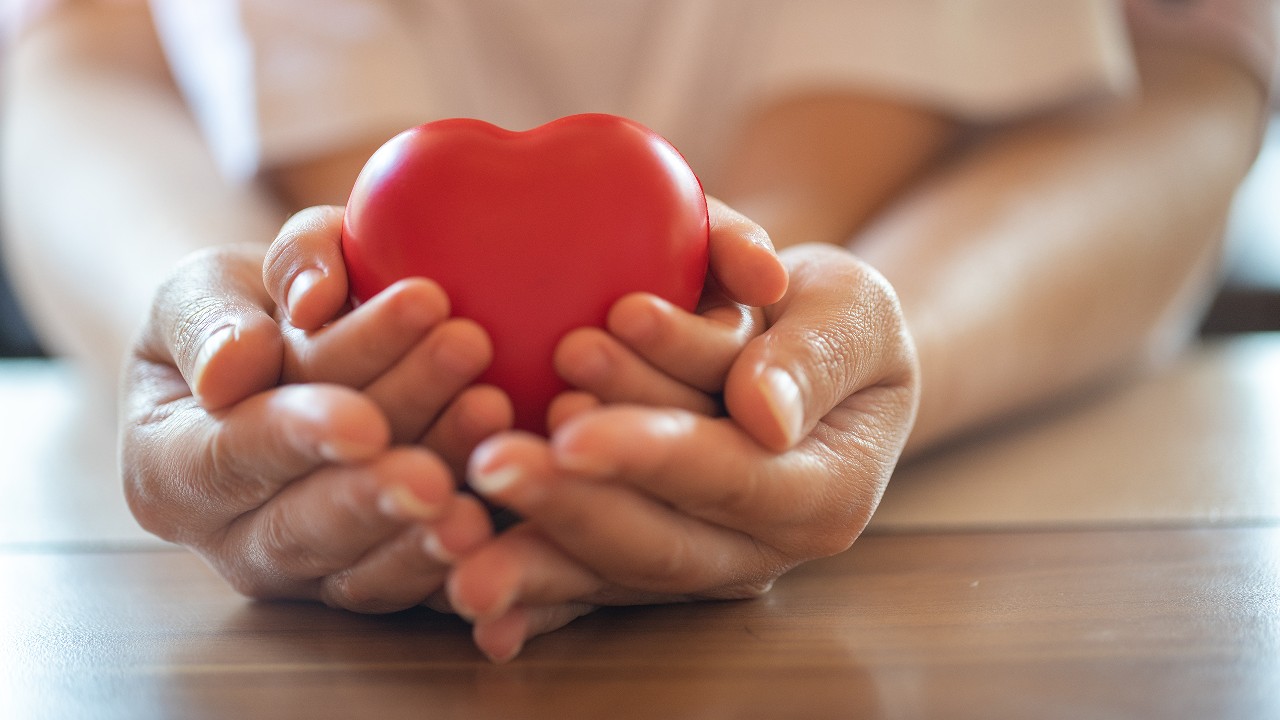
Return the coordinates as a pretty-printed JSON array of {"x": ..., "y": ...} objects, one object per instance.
[
  {"x": 288, "y": 491},
  {"x": 627, "y": 504},
  {"x": 400, "y": 348},
  {"x": 653, "y": 353}
]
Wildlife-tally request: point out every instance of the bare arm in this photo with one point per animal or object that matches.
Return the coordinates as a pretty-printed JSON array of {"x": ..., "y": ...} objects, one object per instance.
[
  {"x": 108, "y": 182},
  {"x": 1053, "y": 254}
]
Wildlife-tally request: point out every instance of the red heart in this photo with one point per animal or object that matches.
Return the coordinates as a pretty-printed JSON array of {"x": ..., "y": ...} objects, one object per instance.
[{"x": 532, "y": 234}]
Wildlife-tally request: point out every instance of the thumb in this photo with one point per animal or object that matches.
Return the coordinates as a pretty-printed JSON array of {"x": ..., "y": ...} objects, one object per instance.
[
  {"x": 211, "y": 319},
  {"x": 837, "y": 332},
  {"x": 304, "y": 271},
  {"x": 742, "y": 258}
]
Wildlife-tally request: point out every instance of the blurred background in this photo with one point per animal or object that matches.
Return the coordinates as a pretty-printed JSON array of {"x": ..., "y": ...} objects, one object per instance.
[
  {"x": 16, "y": 336},
  {"x": 1249, "y": 299},
  {"x": 1250, "y": 296}
]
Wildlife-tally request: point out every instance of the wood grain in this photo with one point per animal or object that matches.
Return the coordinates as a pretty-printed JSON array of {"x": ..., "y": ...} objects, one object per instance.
[{"x": 1172, "y": 623}]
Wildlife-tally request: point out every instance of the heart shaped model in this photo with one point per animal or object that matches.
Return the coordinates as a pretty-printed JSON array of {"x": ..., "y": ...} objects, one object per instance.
[{"x": 531, "y": 234}]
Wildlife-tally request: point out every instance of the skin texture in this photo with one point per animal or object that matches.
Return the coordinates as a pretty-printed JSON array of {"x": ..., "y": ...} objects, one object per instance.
[{"x": 1035, "y": 261}]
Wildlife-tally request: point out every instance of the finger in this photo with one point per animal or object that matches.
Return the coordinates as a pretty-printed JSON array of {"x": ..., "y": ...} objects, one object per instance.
[
  {"x": 742, "y": 258},
  {"x": 326, "y": 522},
  {"x": 811, "y": 502},
  {"x": 361, "y": 345},
  {"x": 705, "y": 467},
  {"x": 464, "y": 528},
  {"x": 626, "y": 537},
  {"x": 568, "y": 405},
  {"x": 502, "y": 639},
  {"x": 476, "y": 413},
  {"x": 595, "y": 362},
  {"x": 696, "y": 348},
  {"x": 838, "y": 332},
  {"x": 304, "y": 272},
  {"x": 211, "y": 319},
  {"x": 396, "y": 575},
  {"x": 518, "y": 567},
  {"x": 189, "y": 473},
  {"x": 278, "y": 435},
  {"x": 423, "y": 383}
]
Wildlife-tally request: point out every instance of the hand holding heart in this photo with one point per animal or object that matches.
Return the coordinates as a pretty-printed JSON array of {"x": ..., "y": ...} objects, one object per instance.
[
  {"x": 543, "y": 240},
  {"x": 300, "y": 490},
  {"x": 628, "y": 504},
  {"x": 648, "y": 352},
  {"x": 624, "y": 504},
  {"x": 296, "y": 490}
]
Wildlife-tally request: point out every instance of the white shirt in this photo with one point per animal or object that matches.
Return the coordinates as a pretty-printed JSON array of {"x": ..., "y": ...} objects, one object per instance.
[{"x": 276, "y": 80}]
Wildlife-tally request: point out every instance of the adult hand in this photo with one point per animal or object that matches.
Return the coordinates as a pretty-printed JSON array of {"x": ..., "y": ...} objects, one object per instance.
[
  {"x": 289, "y": 491},
  {"x": 628, "y": 504}
]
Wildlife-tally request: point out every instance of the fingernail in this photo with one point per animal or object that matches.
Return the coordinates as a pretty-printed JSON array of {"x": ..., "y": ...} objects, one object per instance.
[
  {"x": 494, "y": 481},
  {"x": 399, "y": 501},
  {"x": 212, "y": 345},
  {"x": 432, "y": 546},
  {"x": 342, "y": 451},
  {"x": 782, "y": 395},
  {"x": 301, "y": 285}
]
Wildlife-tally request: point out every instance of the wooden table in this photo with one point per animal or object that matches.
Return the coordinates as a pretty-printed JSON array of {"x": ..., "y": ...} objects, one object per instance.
[{"x": 1119, "y": 557}]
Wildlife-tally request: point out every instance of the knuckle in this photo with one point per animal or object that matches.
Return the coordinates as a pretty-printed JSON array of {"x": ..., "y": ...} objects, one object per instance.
[
  {"x": 345, "y": 591},
  {"x": 280, "y": 550},
  {"x": 279, "y": 259},
  {"x": 676, "y": 568},
  {"x": 740, "y": 498},
  {"x": 355, "y": 499},
  {"x": 355, "y": 591},
  {"x": 831, "y": 351},
  {"x": 248, "y": 572},
  {"x": 239, "y": 485},
  {"x": 160, "y": 489},
  {"x": 675, "y": 565},
  {"x": 197, "y": 318}
]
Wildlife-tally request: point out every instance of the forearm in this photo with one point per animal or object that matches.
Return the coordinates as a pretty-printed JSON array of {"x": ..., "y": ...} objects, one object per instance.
[
  {"x": 1069, "y": 250},
  {"x": 107, "y": 180}
]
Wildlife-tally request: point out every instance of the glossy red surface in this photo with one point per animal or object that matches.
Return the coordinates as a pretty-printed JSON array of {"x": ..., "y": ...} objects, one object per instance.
[{"x": 532, "y": 234}]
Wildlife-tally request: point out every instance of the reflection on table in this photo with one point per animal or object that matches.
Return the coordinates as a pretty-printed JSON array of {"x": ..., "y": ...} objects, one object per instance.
[{"x": 1118, "y": 557}]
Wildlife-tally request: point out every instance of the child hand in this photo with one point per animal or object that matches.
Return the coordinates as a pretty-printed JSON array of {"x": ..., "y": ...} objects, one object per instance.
[
  {"x": 288, "y": 492},
  {"x": 400, "y": 348},
  {"x": 629, "y": 504},
  {"x": 653, "y": 353}
]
